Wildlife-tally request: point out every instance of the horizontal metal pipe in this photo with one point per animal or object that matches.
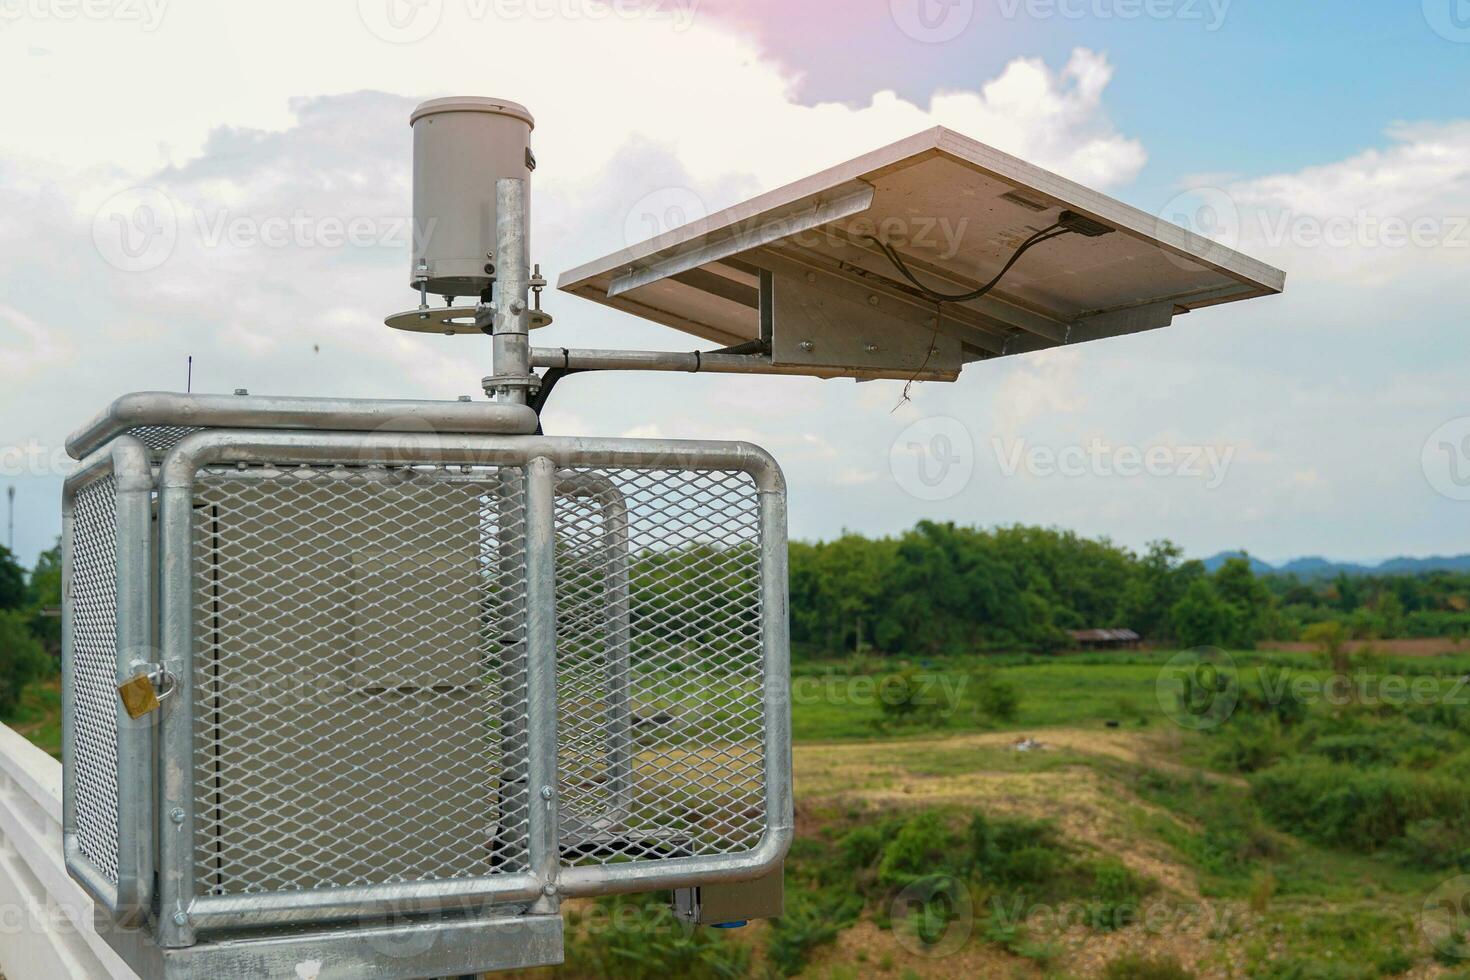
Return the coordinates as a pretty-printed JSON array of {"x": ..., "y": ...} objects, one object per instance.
[
  {"x": 712, "y": 362},
  {"x": 635, "y": 876},
  {"x": 204, "y": 448},
  {"x": 221, "y": 912},
  {"x": 164, "y": 408}
]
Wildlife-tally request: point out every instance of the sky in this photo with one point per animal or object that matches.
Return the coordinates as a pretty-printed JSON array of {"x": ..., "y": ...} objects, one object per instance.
[{"x": 231, "y": 182}]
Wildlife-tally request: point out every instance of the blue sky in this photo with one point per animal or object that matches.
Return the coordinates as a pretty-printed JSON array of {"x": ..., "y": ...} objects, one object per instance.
[{"x": 1340, "y": 408}]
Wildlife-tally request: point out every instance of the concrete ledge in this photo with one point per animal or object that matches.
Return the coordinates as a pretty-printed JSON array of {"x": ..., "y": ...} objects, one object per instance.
[{"x": 46, "y": 920}]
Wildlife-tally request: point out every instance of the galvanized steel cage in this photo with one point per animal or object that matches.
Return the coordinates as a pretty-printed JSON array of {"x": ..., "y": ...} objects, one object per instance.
[{"x": 417, "y": 670}]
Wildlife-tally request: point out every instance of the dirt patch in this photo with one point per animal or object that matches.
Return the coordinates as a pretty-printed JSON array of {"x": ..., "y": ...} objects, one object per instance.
[
  {"x": 1089, "y": 807},
  {"x": 1416, "y": 647}
]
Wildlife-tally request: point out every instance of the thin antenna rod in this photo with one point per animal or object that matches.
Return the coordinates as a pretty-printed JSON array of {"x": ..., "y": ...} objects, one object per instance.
[
  {"x": 189, "y": 378},
  {"x": 10, "y": 518}
]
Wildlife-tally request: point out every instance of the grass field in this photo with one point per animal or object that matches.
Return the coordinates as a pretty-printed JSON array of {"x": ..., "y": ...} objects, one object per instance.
[
  {"x": 1221, "y": 887},
  {"x": 1193, "y": 842}
]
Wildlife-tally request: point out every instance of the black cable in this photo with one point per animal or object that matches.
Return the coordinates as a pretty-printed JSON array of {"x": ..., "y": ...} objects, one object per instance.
[
  {"x": 1045, "y": 235},
  {"x": 537, "y": 402}
]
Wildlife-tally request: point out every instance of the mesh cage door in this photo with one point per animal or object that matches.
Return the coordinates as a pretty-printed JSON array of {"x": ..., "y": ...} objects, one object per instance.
[
  {"x": 661, "y": 665},
  {"x": 355, "y": 682},
  {"x": 107, "y": 638}
]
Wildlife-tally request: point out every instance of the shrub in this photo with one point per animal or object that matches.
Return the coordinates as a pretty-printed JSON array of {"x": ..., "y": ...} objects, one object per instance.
[
  {"x": 652, "y": 945},
  {"x": 1363, "y": 809},
  {"x": 22, "y": 660},
  {"x": 902, "y": 697},
  {"x": 996, "y": 698},
  {"x": 1116, "y": 896},
  {"x": 1015, "y": 853},
  {"x": 1394, "y": 962},
  {"x": 810, "y": 921},
  {"x": 925, "y": 845}
]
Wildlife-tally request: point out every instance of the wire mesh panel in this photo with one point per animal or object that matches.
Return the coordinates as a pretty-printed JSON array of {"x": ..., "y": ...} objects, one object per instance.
[
  {"x": 161, "y": 438},
  {"x": 92, "y": 621},
  {"x": 359, "y": 676},
  {"x": 660, "y": 665}
]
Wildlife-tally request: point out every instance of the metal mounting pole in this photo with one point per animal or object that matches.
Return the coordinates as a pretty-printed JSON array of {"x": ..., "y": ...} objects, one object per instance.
[
  {"x": 541, "y": 699},
  {"x": 509, "y": 318}
]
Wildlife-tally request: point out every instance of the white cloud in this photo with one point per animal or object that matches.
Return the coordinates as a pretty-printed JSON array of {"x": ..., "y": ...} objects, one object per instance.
[
  {"x": 234, "y": 115},
  {"x": 1370, "y": 219},
  {"x": 27, "y": 347}
]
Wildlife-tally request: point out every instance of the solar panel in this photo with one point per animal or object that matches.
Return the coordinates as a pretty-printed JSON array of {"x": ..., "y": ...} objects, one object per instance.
[{"x": 822, "y": 258}]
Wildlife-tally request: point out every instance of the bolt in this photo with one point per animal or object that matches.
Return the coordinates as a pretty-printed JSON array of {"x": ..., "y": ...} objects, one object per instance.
[
  {"x": 547, "y": 792},
  {"x": 549, "y": 888},
  {"x": 517, "y": 307},
  {"x": 872, "y": 300},
  {"x": 871, "y": 348},
  {"x": 176, "y": 814},
  {"x": 181, "y": 918},
  {"x": 811, "y": 277},
  {"x": 807, "y": 346}
]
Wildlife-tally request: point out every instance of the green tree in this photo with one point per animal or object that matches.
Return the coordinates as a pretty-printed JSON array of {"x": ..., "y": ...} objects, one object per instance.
[
  {"x": 1252, "y": 602},
  {"x": 13, "y": 592},
  {"x": 44, "y": 596},
  {"x": 1162, "y": 575},
  {"x": 21, "y": 659},
  {"x": 1201, "y": 618}
]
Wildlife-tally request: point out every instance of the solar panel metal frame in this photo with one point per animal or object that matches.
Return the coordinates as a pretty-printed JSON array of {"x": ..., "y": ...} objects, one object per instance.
[{"x": 705, "y": 277}]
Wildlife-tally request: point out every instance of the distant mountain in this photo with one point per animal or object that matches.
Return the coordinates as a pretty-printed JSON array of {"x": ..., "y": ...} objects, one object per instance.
[
  {"x": 1214, "y": 562},
  {"x": 1315, "y": 567}
]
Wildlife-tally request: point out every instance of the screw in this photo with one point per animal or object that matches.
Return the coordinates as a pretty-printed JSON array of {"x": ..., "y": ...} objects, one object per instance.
[
  {"x": 811, "y": 277},
  {"x": 547, "y": 792},
  {"x": 176, "y": 814},
  {"x": 872, "y": 300},
  {"x": 871, "y": 348},
  {"x": 181, "y": 918},
  {"x": 807, "y": 346}
]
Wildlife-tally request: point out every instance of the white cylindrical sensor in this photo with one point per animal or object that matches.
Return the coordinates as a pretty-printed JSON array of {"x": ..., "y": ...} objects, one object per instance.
[{"x": 461, "y": 146}]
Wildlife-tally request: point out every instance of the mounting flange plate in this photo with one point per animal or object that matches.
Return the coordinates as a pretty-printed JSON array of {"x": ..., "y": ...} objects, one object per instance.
[{"x": 449, "y": 320}]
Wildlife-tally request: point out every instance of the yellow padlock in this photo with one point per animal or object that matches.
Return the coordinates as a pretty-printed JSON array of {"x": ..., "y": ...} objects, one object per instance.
[{"x": 138, "y": 696}]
